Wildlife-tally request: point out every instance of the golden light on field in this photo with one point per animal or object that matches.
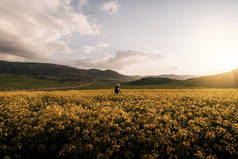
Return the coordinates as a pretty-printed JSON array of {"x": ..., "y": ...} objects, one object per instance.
[{"x": 160, "y": 123}]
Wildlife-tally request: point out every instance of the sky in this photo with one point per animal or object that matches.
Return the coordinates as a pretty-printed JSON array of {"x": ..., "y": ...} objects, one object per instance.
[{"x": 133, "y": 37}]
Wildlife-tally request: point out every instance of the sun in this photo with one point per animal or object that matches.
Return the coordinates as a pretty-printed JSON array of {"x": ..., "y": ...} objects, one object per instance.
[{"x": 226, "y": 61}]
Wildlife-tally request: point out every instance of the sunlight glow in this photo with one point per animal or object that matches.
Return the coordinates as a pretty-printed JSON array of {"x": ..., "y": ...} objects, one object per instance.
[
  {"x": 214, "y": 47},
  {"x": 227, "y": 61}
]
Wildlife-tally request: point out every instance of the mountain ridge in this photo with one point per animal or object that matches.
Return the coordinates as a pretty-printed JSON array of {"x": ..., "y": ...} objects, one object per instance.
[
  {"x": 152, "y": 81},
  {"x": 62, "y": 73},
  {"x": 172, "y": 76},
  {"x": 222, "y": 80},
  {"x": 59, "y": 72}
]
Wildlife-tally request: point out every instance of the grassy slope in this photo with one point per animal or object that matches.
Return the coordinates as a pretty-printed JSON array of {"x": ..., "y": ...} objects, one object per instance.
[
  {"x": 20, "y": 83},
  {"x": 26, "y": 83},
  {"x": 49, "y": 71},
  {"x": 128, "y": 86}
]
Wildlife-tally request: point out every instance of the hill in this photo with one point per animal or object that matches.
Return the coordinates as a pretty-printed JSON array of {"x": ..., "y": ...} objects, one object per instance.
[
  {"x": 47, "y": 71},
  {"x": 153, "y": 81},
  {"x": 29, "y": 75},
  {"x": 223, "y": 80},
  {"x": 173, "y": 76}
]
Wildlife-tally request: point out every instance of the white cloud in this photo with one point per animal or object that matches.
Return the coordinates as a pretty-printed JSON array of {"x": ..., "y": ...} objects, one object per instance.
[
  {"x": 118, "y": 61},
  {"x": 83, "y": 3},
  {"x": 34, "y": 29},
  {"x": 112, "y": 7},
  {"x": 88, "y": 48},
  {"x": 102, "y": 44}
]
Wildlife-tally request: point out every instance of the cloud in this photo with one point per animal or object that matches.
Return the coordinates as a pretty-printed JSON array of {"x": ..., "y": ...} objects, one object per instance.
[
  {"x": 119, "y": 61},
  {"x": 102, "y": 44},
  {"x": 88, "y": 48},
  {"x": 112, "y": 7},
  {"x": 34, "y": 29},
  {"x": 14, "y": 45},
  {"x": 83, "y": 3},
  {"x": 11, "y": 58}
]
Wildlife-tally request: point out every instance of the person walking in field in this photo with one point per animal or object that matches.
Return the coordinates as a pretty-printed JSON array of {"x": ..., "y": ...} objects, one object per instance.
[{"x": 117, "y": 89}]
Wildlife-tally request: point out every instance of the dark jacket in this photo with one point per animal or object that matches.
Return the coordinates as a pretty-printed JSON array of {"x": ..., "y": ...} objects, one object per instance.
[{"x": 117, "y": 90}]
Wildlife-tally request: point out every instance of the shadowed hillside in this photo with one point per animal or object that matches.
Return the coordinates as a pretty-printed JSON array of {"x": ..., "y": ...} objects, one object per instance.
[
  {"x": 59, "y": 72},
  {"x": 224, "y": 80},
  {"x": 22, "y": 75},
  {"x": 173, "y": 76},
  {"x": 153, "y": 81}
]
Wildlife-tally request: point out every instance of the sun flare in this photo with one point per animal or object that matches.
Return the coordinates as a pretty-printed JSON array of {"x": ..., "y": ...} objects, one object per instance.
[{"x": 226, "y": 61}]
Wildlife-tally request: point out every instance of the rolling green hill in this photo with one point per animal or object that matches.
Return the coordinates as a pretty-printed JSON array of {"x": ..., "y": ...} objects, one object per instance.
[
  {"x": 173, "y": 76},
  {"x": 22, "y": 75},
  {"x": 153, "y": 81},
  {"x": 55, "y": 72},
  {"x": 11, "y": 82},
  {"x": 223, "y": 80},
  {"x": 19, "y": 75}
]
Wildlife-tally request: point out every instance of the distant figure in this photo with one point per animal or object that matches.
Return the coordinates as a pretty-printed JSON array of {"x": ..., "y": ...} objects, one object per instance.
[{"x": 117, "y": 89}]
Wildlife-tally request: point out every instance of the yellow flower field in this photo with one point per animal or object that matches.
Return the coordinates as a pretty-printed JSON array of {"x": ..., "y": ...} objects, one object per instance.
[{"x": 196, "y": 123}]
